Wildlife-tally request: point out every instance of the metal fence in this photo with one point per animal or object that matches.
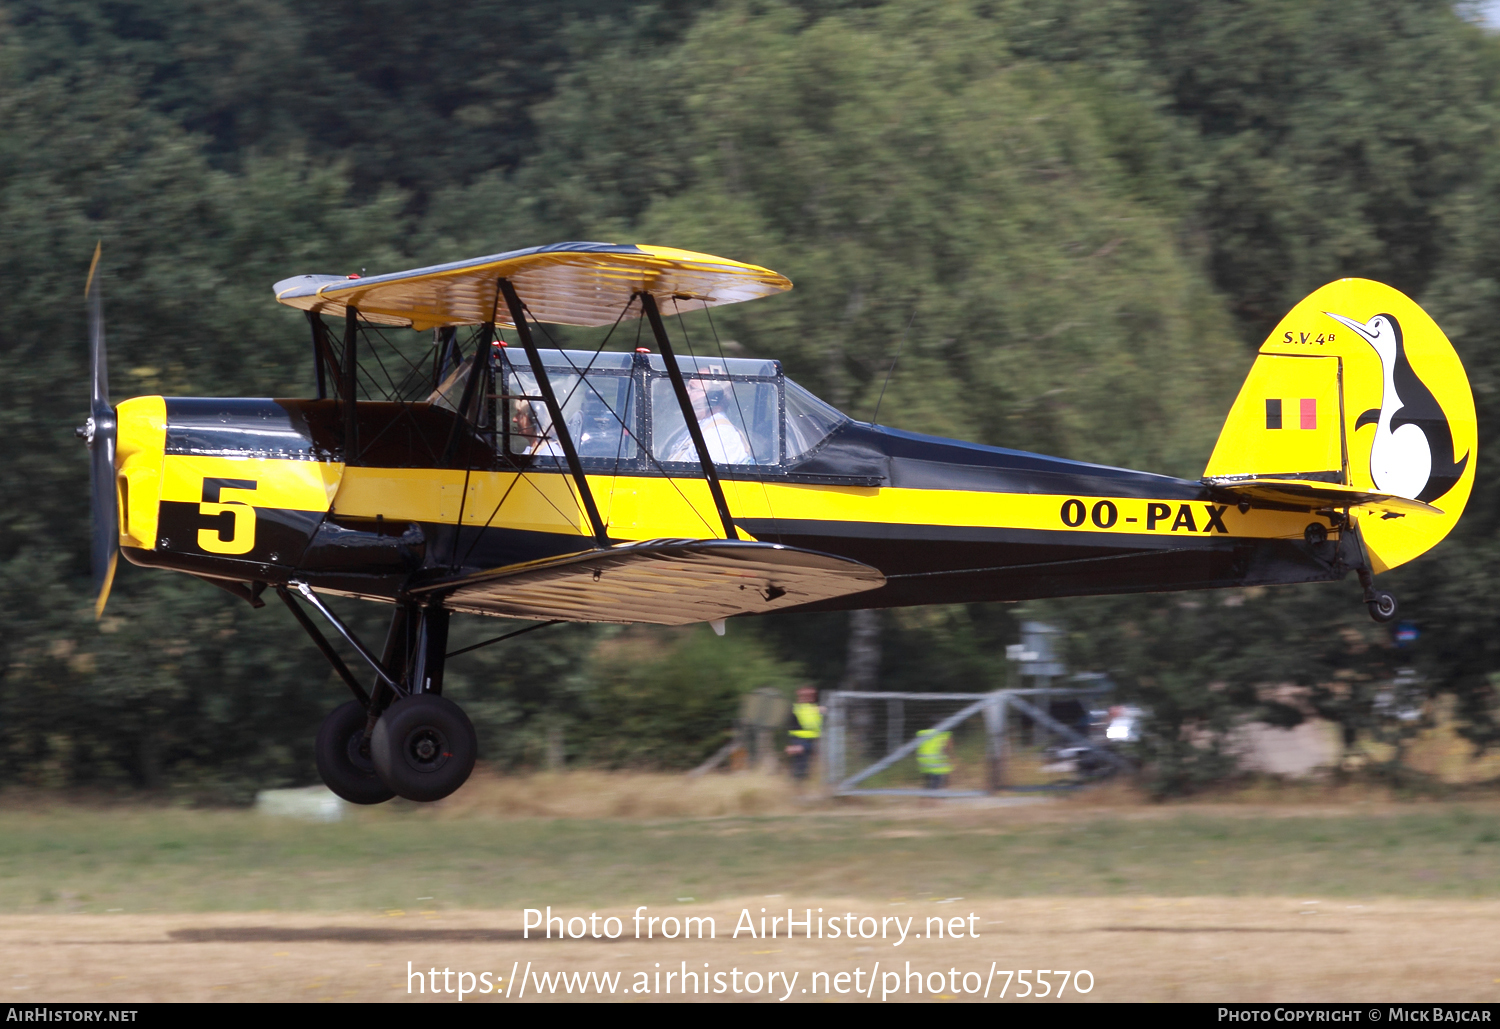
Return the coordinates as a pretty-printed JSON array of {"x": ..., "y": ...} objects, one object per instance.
[{"x": 861, "y": 725}]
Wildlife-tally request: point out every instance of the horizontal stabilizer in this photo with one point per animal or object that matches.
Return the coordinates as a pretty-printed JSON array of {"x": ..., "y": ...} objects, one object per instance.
[
  {"x": 663, "y": 582},
  {"x": 1317, "y": 494}
]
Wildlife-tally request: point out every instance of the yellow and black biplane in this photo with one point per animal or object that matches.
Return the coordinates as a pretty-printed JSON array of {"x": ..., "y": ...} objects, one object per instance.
[{"x": 495, "y": 476}]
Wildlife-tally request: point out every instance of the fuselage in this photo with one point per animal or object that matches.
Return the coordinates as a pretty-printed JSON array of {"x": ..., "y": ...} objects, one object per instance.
[{"x": 265, "y": 491}]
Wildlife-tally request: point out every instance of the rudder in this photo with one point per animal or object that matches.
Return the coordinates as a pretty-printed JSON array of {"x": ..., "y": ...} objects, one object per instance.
[{"x": 1357, "y": 388}]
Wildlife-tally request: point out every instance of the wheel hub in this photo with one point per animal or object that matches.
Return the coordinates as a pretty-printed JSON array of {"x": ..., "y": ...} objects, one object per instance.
[
  {"x": 358, "y": 749},
  {"x": 426, "y": 749}
]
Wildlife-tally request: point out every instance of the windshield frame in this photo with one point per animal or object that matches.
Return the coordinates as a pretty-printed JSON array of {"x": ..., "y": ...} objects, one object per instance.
[{"x": 646, "y": 369}]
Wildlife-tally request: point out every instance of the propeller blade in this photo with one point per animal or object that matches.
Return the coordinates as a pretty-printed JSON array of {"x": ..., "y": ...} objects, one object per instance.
[
  {"x": 95, "y": 296},
  {"x": 100, "y": 434},
  {"x": 105, "y": 531}
]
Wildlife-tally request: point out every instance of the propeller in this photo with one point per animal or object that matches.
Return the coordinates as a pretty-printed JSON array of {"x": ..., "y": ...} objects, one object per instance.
[{"x": 99, "y": 433}]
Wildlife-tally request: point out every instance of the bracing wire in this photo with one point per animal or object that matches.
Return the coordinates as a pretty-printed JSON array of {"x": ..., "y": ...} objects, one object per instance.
[
  {"x": 507, "y": 636},
  {"x": 482, "y": 371},
  {"x": 902, "y": 343},
  {"x": 744, "y": 425},
  {"x": 583, "y": 380},
  {"x": 760, "y": 476},
  {"x": 522, "y": 473},
  {"x": 649, "y": 456}
]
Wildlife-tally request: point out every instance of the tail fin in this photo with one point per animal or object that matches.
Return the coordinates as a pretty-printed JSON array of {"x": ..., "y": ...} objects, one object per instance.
[{"x": 1357, "y": 400}]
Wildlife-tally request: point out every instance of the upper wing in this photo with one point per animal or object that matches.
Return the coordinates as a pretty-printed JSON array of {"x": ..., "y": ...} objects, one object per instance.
[
  {"x": 1308, "y": 493},
  {"x": 563, "y": 283},
  {"x": 664, "y": 582}
]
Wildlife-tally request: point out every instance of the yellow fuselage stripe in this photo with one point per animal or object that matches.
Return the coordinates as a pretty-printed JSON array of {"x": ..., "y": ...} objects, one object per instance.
[{"x": 645, "y": 507}]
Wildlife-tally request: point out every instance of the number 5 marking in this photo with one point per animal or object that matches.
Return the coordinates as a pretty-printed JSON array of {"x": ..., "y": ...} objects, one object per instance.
[{"x": 242, "y": 527}]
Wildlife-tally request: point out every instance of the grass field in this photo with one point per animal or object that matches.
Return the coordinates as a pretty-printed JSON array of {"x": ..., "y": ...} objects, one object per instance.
[
  {"x": 1318, "y": 898},
  {"x": 94, "y": 859}
]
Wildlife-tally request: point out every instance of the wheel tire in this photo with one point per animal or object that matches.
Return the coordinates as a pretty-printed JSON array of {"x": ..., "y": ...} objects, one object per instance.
[
  {"x": 424, "y": 747},
  {"x": 344, "y": 769},
  {"x": 1382, "y": 606}
]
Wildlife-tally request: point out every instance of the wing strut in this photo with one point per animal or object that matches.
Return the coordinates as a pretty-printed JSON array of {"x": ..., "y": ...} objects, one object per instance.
[
  {"x": 322, "y": 360},
  {"x": 350, "y": 386},
  {"x": 321, "y": 642},
  {"x": 344, "y": 631},
  {"x": 653, "y": 315},
  {"x": 564, "y": 438}
]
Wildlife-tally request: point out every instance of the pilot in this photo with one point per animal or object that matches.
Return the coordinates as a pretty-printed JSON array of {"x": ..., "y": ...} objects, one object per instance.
[
  {"x": 725, "y": 442},
  {"x": 530, "y": 437}
]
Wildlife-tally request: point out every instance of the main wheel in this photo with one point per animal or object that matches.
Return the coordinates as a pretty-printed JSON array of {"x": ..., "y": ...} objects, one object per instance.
[
  {"x": 424, "y": 747},
  {"x": 1382, "y": 606},
  {"x": 344, "y": 769}
]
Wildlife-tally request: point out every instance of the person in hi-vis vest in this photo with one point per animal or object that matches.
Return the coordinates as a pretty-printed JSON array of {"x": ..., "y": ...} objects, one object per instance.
[
  {"x": 934, "y": 758},
  {"x": 805, "y": 727}
]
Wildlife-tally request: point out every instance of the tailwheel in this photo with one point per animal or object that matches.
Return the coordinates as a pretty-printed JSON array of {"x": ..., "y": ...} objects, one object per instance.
[
  {"x": 345, "y": 769},
  {"x": 424, "y": 747},
  {"x": 1382, "y": 606}
]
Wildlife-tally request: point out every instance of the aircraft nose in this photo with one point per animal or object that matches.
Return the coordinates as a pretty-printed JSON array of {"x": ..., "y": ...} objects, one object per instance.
[{"x": 139, "y": 454}]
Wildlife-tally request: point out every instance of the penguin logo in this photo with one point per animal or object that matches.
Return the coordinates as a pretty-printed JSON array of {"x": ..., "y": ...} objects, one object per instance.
[{"x": 1412, "y": 455}]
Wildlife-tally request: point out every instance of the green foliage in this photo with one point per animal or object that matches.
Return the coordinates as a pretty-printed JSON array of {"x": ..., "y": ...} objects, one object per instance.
[
  {"x": 1319, "y": 138},
  {"x": 1072, "y": 219},
  {"x": 172, "y": 687},
  {"x": 1453, "y": 584},
  {"x": 1312, "y": 140},
  {"x": 399, "y": 95},
  {"x": 903, "y": 173},
  {"x": 666, "y": 707}
]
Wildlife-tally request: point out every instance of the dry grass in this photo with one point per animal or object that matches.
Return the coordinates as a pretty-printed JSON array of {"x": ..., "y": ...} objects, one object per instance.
[
  {"x": 593, "y": 794},
  {"x": 1290, "y": 796},
  {"x": 585, "y": 794}
]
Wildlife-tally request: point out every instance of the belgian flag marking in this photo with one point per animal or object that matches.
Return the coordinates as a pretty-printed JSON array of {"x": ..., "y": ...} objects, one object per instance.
[{"x": 1307, "y": 413}]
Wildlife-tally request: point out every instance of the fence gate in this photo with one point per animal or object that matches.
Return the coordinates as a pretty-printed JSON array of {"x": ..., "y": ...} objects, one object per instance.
[{"x": 860, "y": 724}]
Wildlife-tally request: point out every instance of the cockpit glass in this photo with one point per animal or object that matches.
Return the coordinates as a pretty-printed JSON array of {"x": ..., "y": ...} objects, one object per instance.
[
  {"x": 749, "y": 414},
  {"x": 809, "y": 421},
  {"x": 451, "y": 390},
  {"x": 735, "y": 366},
  {"x": 738, "y": 420},
  {"x": 597, "y": 395}
]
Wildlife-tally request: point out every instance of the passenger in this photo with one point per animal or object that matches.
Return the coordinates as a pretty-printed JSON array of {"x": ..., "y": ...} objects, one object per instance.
[{"x": 725, "y": 442}]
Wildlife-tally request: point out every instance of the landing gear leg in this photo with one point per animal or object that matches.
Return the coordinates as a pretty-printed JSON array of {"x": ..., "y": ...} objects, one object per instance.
[
  {"x": 423, "y": 745},
  {"x": 395, "y": 657},
  {"x": 403, "y": 738},
  {"x": 1382, "y": 605}
]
